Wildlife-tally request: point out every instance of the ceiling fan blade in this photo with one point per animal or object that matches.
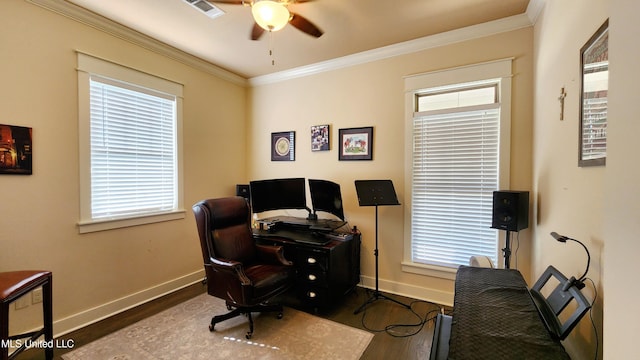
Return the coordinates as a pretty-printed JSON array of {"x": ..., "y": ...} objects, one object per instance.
[
  {"x": 304, "y": 25},
  {"x": 248, "y": 2},
  {"x": 256, "y": 31}
]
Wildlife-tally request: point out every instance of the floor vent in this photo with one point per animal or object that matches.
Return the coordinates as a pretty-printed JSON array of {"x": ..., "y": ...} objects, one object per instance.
[{"x": 206, "y": 7}]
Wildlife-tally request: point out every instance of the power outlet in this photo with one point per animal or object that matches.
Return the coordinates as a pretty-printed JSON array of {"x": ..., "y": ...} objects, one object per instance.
[
  {"x": 36, "y": 296},
  {"x": 22, "y": 302}
]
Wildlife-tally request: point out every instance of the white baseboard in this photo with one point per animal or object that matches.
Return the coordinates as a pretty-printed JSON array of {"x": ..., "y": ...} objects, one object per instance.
[
  {"x": 87, "y": 317},
  {"x": 90, "y": 316},
  {"x": 408, "y": 290}
]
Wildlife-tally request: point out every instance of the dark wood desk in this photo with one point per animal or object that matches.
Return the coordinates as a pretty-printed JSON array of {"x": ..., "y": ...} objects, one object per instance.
[
  {"x": 324, "y": 272},
  {"x": 494, "y": 317}
]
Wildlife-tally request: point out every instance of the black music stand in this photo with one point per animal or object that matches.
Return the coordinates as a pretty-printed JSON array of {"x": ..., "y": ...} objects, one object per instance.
[{"x": 376, "y": 193}]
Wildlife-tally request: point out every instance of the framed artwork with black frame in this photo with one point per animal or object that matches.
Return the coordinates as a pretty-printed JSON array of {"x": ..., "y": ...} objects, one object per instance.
[
  {"x": 283, "y": 146},
  {"x": 594, "y": 69},
  {"x": 16, "y": 150},
  {"x": 356, "y": 143},
  {"x": 320, "y": 138}
]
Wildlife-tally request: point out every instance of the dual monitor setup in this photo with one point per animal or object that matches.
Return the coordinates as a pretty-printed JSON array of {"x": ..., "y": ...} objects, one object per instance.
[{"x": 291, "y": 194}]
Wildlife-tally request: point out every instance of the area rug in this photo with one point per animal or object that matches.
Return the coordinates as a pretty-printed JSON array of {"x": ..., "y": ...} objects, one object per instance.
[{"x": 182, "y": 332}]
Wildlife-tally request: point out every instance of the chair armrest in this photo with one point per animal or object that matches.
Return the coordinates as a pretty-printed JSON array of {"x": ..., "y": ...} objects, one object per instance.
[
  {"x": 272, "y": 254},
  {"x": 232, "y": 270},
  {"x": 225, "y": 263}
]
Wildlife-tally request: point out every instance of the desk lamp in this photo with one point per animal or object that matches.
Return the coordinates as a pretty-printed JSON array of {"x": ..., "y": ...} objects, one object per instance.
[{"x": 579, "y": 283}]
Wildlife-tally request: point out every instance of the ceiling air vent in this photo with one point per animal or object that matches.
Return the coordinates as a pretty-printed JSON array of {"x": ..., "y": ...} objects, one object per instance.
[{"x": 205, "y": 7}]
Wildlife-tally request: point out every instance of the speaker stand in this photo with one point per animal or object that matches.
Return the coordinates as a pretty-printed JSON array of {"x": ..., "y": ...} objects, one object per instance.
[
  {"x": 507, "y": 250},
  {"x": 377, "y": 295}
]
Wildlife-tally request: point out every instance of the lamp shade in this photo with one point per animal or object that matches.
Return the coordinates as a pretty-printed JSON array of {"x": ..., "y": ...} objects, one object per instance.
[{"x": 270, "y": 15}]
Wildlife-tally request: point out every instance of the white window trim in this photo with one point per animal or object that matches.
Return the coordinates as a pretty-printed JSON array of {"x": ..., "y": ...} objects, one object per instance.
[
  {"x": 498, "y": 69},
  {"x": 87, "y": 65}
]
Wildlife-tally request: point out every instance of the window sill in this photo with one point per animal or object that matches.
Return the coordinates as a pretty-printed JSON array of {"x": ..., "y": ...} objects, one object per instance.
[
  {"x": 429, "y": 270},
  {"x": 109, "y": 224}
]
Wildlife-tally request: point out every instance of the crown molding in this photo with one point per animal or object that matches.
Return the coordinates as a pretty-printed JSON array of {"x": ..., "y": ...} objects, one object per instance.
[
  {"x": 403, "y": 48},
  {"x": 108, "y": 26},
  {"x": 534, "y": 9}
]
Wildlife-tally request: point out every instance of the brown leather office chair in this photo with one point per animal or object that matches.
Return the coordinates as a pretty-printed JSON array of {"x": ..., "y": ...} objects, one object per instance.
[{"x": 244, "y": 274}]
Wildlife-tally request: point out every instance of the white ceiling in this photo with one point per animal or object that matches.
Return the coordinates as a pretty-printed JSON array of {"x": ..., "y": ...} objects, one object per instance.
[{"x": 350, "y": 26}]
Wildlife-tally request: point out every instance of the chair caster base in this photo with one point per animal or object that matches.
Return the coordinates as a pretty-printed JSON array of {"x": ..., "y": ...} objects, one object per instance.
[{"x": 246, "y": 312}]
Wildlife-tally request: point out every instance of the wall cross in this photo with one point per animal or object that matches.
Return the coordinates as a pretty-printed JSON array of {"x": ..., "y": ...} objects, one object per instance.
[{"x": 563, "y": 95}]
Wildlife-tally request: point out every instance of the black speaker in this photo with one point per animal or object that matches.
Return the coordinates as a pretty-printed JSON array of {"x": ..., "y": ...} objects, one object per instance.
[
  {"x": 510, "y": 210},
  {"x": 243, "y": 190}
]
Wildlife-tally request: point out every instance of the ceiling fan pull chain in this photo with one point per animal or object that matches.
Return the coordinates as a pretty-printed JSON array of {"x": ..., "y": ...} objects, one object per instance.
[{"x": 273, "y": 61}]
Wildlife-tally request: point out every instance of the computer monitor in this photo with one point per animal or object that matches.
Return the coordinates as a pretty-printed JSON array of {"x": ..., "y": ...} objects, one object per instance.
[
  {"x": 326, "y": 196},
  {"x": 278, "y": 194}
]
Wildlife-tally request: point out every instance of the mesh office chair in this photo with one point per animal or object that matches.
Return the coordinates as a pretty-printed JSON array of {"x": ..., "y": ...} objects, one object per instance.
[{"x": 239, "y": 271}]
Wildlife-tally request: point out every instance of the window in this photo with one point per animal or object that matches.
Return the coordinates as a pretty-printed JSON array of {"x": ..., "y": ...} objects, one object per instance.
[
  {"x": 129, "y": 136},
  {"x": 456, "y": 161}
]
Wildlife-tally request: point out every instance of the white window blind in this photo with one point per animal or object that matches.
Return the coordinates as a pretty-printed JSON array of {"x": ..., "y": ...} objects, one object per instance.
[
  {"x": 455, "y": 171},
  {"x": 133, "y": 150},
  {"x": 594, "y": 127},
  {"x": 594, "y": 115}
]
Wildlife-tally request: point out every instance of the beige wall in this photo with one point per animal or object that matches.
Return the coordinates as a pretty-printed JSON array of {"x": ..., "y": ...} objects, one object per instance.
[
  {"x": 371, "y": 94},
  {"x": 570, "y": 199},
  {"x": 621, "y": 194},
  {"x": 99, "y": 273},
  {"x": 598, "y": 206}
]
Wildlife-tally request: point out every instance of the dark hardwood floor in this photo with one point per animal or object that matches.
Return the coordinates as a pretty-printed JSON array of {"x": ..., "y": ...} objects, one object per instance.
[{"x": 398, "y": 332}]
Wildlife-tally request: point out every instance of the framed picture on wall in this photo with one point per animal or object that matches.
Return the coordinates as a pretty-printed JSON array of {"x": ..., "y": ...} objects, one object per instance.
[
  {"x": 283, "y": 146},
  {"x": 16, "y": 150},
  {"x": 320, "y": 138},
  {"x": 356, "y": 143},
  {"x": 594, "y": 67}
]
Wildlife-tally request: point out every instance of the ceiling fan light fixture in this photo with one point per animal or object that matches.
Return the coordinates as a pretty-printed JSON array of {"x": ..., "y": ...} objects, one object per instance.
[{"x": 270, "y": 15}]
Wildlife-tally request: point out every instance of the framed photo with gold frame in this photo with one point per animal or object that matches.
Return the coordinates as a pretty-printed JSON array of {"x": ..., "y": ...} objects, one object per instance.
[{"x": 283, "y": 146}]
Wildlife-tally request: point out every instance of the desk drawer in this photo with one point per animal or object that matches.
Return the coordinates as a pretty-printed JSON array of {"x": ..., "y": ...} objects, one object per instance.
[
  {"x": 312, "y": 276},
  {"x": 313, "y": 294},
  {"x": 310, "y": 259}
]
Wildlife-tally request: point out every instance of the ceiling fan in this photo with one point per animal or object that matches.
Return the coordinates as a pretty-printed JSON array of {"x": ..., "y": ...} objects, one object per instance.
[{"x": 273, "y": 15}]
